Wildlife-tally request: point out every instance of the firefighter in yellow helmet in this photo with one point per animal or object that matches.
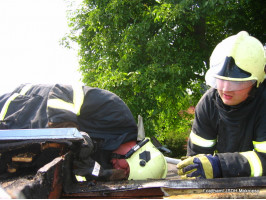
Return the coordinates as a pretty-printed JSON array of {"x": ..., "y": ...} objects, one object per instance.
[
  {"x": 131, "y": 160},
  {"x": 228, "y": 137}
]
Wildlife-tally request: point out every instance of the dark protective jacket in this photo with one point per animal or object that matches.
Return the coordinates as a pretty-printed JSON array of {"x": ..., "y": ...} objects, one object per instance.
[
  {"x": 236, "y": 133},
  {"x": 100, "y": 113}
]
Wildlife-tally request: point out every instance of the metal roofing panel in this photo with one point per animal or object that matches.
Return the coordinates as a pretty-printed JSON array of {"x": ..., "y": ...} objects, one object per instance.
[{"x": 44, "y": 133}]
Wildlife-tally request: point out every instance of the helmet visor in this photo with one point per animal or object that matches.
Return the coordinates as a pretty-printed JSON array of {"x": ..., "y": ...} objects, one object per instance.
[{"x": 225, "y": 85}]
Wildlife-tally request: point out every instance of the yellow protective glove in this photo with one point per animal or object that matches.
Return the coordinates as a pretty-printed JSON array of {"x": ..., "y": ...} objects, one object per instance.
[{"x": 199, "y": 166}]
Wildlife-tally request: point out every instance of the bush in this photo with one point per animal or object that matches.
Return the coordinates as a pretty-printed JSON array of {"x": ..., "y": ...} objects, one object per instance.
[
  {"x": 176, "y": 138},
  {"x": 177, "y": 143}
]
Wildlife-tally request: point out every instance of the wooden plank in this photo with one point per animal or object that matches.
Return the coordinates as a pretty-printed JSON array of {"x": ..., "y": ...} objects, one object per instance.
[{"x": 141, "y": 193}]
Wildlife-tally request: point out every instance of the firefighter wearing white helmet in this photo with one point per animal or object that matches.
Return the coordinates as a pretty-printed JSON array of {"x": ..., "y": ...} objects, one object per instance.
[
  {"x": 140, "y": 161},
  {"x": 228, "y": 137},
  {"x": 239, "y": 58}
]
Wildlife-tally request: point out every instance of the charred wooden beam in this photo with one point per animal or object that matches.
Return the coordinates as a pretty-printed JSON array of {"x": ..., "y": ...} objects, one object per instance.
[
  {"x": 47, "y": 183},
  {"x": 170, "y": 188},
  {"x": 129, "y": 194}
]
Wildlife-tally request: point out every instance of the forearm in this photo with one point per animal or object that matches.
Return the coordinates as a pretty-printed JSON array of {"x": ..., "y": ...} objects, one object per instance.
[{"x": 242, "y": 164}]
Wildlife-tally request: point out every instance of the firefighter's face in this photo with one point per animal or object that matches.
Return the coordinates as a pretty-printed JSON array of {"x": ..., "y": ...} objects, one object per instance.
[
  {"x": 120, "y": 164},
  {"x": 122, "y": 150},
  {"x": 234, "y": 97}
]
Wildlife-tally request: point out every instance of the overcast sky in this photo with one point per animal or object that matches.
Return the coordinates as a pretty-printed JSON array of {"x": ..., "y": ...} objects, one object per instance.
[{"x": 30, "y": 31}]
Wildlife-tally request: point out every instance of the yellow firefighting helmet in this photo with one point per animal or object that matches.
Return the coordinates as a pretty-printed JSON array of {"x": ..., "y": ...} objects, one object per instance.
[
  {"x": 239, "y": 59},
  {"x": 147, "y": 163},
  {"x": 140, "y": 161}
]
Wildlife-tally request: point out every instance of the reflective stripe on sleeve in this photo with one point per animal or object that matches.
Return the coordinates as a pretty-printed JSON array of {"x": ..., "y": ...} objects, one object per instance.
[
  {"x": 96, "y": 169},
  {"x": 60, "y": 104},
  {"x": 80, "y": 178},
  {"x": 25, "y": 89},
  {"x": 195, "y": 139},
  {"x": 254, "y": 162},
  {"x": 7, "y": 103},
  {"x": 78, "y": 98},
  {"x": 11, "y": 98},
  {"x": 259, "y": 146}
]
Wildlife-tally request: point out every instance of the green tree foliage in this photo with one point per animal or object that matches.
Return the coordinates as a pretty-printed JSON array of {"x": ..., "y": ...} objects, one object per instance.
[{"x": 152, "y": 52}]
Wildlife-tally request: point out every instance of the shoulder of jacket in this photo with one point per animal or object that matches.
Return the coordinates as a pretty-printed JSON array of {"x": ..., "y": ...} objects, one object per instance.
[{"x": 209, "y": 95}]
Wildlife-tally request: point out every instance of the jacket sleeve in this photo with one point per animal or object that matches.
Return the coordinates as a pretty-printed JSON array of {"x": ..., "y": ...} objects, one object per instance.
[{"x": 202, "y": 139}]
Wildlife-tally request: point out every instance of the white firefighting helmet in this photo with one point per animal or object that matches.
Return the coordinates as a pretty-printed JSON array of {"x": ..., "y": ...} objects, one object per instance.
[{"x": 238, "y": 62}]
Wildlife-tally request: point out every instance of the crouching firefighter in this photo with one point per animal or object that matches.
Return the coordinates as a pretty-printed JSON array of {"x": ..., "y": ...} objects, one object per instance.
[
  {"x": 102, "y": 117},
  {"x": 228, "y": 137}
]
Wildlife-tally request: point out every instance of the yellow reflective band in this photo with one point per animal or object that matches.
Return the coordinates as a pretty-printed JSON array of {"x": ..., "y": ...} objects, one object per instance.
[
  {"x": 5, "y": 107},
  {"x": 207, "y": 167},
  {"x": 11, "y": 98},
  {"x": 259, "y": 146},
  {"x": 78, "y": 98},
  {"x": 96, "y": 169},
  {"x": 195, "y": 139},
  {"x": 25, "y": 89},
  {"x": 254, "y": 162},
  {"x": 60, "y": 104},
  {"x": 80, "y": 178}
]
